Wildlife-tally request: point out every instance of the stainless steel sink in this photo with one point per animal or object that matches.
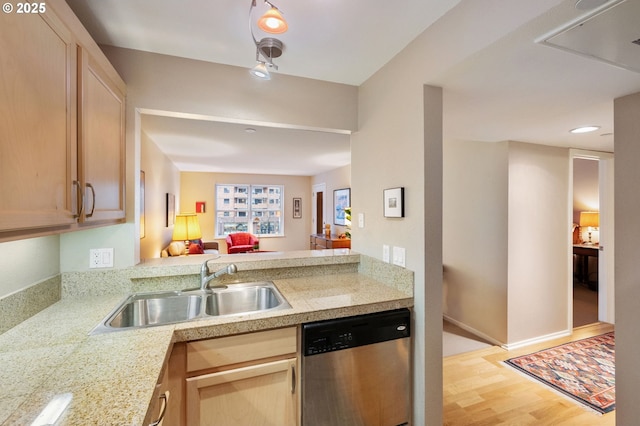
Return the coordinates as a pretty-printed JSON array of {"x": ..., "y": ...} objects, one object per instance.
[
  {"x": 141, "y": 310},
  {"x": 170, "y": 307},
  {"x": 244, "y": 298}
]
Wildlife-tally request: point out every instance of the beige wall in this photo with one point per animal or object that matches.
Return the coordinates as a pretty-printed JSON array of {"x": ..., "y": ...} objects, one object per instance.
[
  {"x": 475, "y": 206},
  {"x": 161, "y": 177},
  {"x": 539, "y": 242},
  {"x": 506, "y": 240},
  {"x": 201, "y": 187},
  {"x": 627, "y": 279}
]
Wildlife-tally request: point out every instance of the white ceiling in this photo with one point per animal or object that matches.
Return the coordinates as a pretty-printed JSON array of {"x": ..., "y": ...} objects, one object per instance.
[{"x": 515, "y": 88}]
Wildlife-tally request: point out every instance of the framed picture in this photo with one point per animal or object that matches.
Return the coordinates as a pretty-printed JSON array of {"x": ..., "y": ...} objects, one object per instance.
[
  {"x": 394, "y": 202},
  {"x": 142, "y": 218},
  {"x": 200, "y": 206},
  {"x": 171, "y": 209},
  {"x": 297, "y": 208},
  {"x": 341, "y": 199}
]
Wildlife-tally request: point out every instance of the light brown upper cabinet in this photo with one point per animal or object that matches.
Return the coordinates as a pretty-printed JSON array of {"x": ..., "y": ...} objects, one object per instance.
[
  {"x": 62, "y": 109},
  {"x": 101, "y": 105},
  {"x": 37, "y": 122}
]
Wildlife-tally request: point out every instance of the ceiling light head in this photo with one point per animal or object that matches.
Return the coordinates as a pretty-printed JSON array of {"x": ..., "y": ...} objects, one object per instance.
[
  {"x": 585, "y": 129},
  {"x": 272, "y": 22},
  {"x": 260, "y": 71}
]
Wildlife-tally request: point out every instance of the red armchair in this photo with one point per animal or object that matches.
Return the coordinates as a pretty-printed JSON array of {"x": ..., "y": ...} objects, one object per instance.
[{"x": 241, "y": 242}]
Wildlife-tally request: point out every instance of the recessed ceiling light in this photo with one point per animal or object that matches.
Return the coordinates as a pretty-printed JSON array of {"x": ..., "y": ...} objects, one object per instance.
[
  {"x": 250, "y": 130},
  {"x": 585, "y": 129}
]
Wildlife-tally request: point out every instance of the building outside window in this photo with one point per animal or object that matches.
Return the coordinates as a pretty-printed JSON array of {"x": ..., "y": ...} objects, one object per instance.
[{"x": 257, "y": 209}]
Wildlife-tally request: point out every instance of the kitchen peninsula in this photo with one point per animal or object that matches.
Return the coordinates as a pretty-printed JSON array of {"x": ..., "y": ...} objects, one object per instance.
[{"x": 112, "y": 377}]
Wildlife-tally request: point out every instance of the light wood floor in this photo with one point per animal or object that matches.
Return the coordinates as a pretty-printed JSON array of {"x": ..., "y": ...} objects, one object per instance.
[{"x": 478, "y": 390}]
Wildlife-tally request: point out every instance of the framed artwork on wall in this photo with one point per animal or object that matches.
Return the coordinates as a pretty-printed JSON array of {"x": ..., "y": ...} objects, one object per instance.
[
  {"x": 200, "y": 206},
  {"x": 297, "y": 208},
  {"x": 341, "y": 199},
  {"x": 394, "y": 202},
  {"x": 171, "y": 209}
]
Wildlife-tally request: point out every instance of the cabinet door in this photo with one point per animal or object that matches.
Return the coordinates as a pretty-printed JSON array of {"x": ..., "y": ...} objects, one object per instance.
[
  {"x": 37, "y": 121},
  {"x": 101, "y": 142},
  {"x": 262, "y": 394}
]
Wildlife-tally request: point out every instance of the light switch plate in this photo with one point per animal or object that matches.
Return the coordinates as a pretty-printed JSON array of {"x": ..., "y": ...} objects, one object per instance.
[
  {"x": 399, "y": 256},
  {"x": 360, "y": 220},
  {"x": 385, "y": 253}
]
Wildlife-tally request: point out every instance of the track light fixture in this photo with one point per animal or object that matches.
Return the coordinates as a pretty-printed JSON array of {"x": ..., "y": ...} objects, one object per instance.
[
  {"x": 272, "y": 21},
  {"x": 267, "y": 48}
]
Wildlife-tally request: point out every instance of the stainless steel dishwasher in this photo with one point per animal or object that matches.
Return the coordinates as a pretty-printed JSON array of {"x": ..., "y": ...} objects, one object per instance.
[{"x": 356, "y": 370}]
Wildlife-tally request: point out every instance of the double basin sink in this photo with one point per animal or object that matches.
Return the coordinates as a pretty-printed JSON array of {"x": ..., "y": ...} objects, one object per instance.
[{"x": 170, "y": 307}]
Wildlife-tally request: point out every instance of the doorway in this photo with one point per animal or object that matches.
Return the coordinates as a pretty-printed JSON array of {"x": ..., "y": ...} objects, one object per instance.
[
  {"x": 317, "y": 215},
  {"x": 591, "y": 289}
]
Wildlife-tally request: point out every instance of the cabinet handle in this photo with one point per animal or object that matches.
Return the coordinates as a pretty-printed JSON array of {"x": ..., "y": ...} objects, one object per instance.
[
  {"x": 93, "y": 195},
  {"x": 165, "y": 401},
  {"x": 293, "y": 378},
  {"x": 80, "y": 200}
]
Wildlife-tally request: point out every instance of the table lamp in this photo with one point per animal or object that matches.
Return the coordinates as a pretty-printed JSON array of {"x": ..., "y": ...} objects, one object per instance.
[
  {"x": 186, "y": 228},
  {"x": 589, "y": 220}
]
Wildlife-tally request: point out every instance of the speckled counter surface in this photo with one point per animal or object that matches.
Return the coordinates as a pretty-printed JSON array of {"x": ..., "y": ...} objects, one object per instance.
[{"x": 112, "y": 376}]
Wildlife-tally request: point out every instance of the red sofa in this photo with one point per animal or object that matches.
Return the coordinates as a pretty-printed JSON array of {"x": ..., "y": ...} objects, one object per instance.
[{"x": 241, "y": 242}]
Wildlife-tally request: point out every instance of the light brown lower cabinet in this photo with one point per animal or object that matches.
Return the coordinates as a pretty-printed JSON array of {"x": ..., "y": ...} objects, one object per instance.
[
  {"x": 246, "y": 379},
  {"x": 261, "y": 394}
]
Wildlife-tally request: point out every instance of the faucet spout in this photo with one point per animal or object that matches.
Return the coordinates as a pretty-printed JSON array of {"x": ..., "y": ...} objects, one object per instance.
[{"x": 206, "y": 277}]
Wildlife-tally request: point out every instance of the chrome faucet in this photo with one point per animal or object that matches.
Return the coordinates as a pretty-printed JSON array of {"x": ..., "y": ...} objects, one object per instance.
[{"x": 206, "y": 277}]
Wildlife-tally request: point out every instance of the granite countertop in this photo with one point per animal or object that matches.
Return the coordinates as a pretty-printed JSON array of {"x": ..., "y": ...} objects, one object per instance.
[{"x": 112, "y": 376}]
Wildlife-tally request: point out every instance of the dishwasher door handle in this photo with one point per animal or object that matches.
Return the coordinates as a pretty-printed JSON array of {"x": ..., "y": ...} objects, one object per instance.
[{"x": 293, "y": 378}]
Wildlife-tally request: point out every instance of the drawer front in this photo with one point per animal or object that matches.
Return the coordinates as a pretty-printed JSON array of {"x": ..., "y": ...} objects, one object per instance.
[{"x": 230, "y": 350}]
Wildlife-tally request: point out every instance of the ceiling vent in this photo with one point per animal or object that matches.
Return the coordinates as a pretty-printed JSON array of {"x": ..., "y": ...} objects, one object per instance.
[{"x": 605, "y": 34}]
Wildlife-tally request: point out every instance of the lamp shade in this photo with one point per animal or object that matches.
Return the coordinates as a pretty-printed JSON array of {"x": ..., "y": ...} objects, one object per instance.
[
  {"x": 589, "y": 219},
  {"x": 187, "y": 227},
  {"x": 272, "y": 22}
]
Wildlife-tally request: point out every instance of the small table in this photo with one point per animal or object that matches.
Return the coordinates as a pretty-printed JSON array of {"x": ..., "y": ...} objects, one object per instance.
[{"x": 584, "y": 252}]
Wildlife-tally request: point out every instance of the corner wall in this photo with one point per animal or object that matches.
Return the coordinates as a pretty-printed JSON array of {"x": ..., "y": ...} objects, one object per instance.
[
  {"x": 627, "y": 234},
  {"x": 506, "y": 240},
  {"x": 161, "y": 177}
]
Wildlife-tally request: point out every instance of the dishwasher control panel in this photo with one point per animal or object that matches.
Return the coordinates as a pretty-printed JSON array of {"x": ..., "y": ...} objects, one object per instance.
[{"x": 344, "y": 333}]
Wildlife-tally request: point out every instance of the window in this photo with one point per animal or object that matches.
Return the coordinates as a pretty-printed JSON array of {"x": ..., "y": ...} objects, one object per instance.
[{"x": 257, "y": 209}]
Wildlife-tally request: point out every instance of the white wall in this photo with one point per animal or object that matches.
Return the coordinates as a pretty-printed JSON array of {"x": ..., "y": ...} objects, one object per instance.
[
  {"x": 475, "y": 247},
  {"x": 26, "y": 262},
  {"x": 627, "y": 279},
  {"x": 201, "y": 187}
]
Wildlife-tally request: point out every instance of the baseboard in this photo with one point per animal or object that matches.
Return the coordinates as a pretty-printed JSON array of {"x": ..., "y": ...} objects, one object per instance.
[
  {"x": 533, "y": 341},
  {"x": 473, "y": 331}
]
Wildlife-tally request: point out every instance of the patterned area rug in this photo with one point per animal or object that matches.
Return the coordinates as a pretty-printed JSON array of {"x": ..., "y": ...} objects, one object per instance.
[{"x": 583, "y": 370}]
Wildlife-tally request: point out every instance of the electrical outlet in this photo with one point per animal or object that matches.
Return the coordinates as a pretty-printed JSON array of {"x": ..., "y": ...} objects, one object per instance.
[
  {"x": 399, "y": 256},
  {"x": 385, "y": 253},
  {"x": 101, "y": 258}
]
